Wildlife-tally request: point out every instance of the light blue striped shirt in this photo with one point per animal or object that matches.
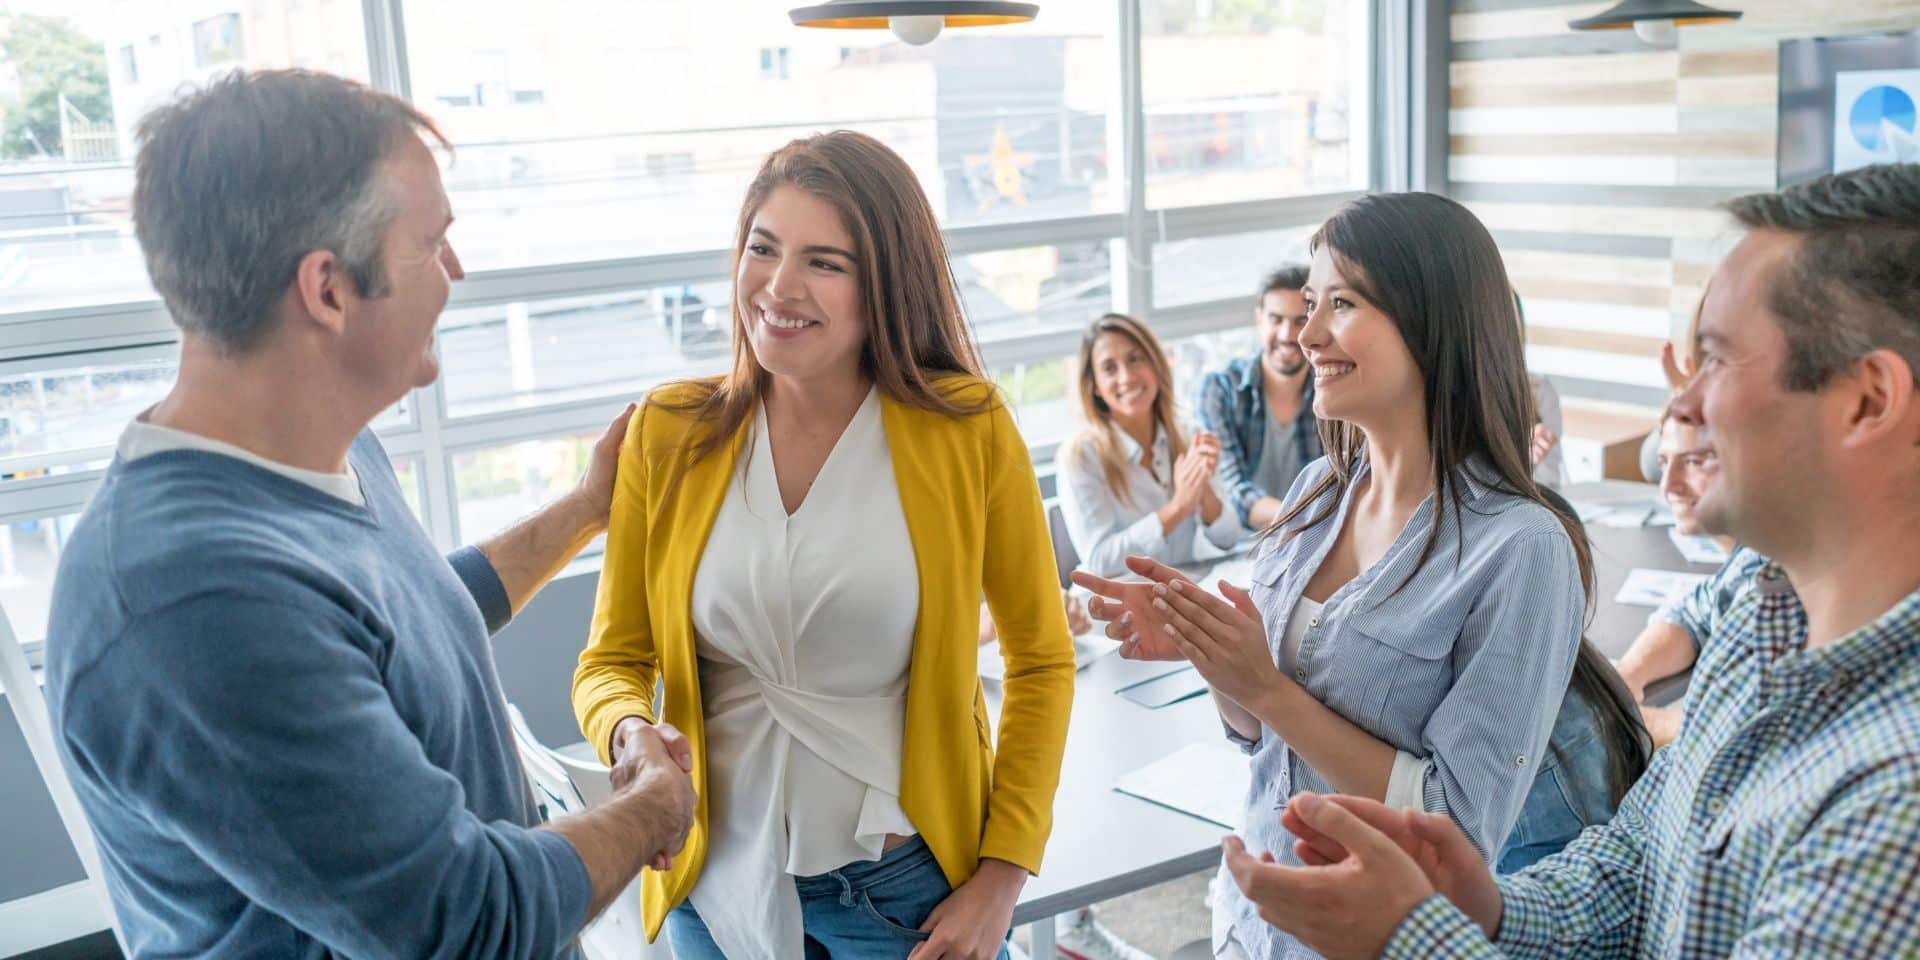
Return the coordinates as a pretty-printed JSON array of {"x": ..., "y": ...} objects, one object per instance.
[{"x": 1464, "y": 666}]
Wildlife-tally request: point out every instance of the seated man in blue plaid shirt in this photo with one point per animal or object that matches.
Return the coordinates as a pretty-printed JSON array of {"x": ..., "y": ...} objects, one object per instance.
[
  {"x": 1785, "y": 820},
  {"x": 1261, "y": 405}
]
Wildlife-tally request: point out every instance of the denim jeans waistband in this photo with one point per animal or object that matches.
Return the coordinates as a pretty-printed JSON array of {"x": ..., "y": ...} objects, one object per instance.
[{"x": 907, "y": 857}]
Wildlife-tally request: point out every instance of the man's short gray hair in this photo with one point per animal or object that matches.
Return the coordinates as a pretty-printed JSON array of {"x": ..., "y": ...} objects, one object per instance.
[
  {"x": 238, "y": 181},
  {"x": 1853, "y": 286}
]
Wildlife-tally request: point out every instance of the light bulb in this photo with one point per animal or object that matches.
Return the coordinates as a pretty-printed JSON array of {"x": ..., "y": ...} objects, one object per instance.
[
  {"x": 1658, "y": 33},
  {"x": 918, "y": 30}
]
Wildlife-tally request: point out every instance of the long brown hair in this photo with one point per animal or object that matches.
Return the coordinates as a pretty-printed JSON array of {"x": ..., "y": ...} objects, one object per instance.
[
  {"x": 917, "y": 330},
  {"x": 1099, "y": 435},
  {"x": 1430, "y": 265}
]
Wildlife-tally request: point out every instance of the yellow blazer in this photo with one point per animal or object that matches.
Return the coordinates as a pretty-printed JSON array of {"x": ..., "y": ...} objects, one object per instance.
[{"x": 974, "y": 515}]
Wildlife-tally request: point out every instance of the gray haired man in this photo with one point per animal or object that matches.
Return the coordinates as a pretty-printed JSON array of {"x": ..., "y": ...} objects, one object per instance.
[{"x": 276, "y": 699}]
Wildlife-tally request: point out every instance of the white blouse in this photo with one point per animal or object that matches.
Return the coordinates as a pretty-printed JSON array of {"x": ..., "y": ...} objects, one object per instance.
[
  {"x": 804, "y": 629},
  {"x": 1106, "y": 528}
]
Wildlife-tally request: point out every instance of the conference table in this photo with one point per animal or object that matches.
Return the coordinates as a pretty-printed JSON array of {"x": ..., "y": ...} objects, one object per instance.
[{"x": 1106, "y": 844}]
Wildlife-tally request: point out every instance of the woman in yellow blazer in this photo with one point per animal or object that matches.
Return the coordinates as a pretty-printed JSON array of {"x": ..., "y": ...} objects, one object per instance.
[{"x": 797, "y": 552}]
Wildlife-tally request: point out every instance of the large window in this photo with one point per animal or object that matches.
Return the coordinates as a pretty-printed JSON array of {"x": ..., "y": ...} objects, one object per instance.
[
  {"x": 66, "y": 150},
  {"x": 1200, "y": 269},
  {"x": 655, "y": 115},
  {"x": 601, "y": 151},
  {"x": 1254, "y": 98}
]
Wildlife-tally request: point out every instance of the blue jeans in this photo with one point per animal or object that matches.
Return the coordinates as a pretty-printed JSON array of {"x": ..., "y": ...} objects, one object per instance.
[
  {"x": 871, "y": 909},
  {"x": 1568, "y": 795}
]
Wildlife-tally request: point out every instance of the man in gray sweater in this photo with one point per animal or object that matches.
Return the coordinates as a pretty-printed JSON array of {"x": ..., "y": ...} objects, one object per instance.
[{"x": 275, "y": 698}]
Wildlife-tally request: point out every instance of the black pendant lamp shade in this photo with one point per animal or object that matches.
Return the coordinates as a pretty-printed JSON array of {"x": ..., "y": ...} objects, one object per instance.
[{"x": 1680, "y": 13}]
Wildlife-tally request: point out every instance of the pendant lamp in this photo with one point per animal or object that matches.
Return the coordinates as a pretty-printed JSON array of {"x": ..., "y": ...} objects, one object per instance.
[
  {"x": 913, "y": 21},
  {"x": 1655, "y": 21}
]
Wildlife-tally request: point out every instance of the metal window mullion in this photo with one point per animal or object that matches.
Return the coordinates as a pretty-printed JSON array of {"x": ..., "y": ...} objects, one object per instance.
[
  {"x": 1041, "y": 347},
  {"x": 402, "y": 443},
  {"x": 1137, "y": 239},
  {"x": 534, "y": 423},
  {"x": 143, "y": 323},
  {"x": 1431, "y": 81},
  {"x": 1392, "y": 34},
  {"x": 386, "y": 35},
  {"x": 41, "y": 497},
  {"x": 72, "y": 330},
  {"x": 1033, "y": 233},
  {"x": 1194, "y": 319},
  {"x": 436, "y": 469},
  {"x": 583, "y": 278},
  {"x": 20, "y": 463},
  {"x": 1219, "y": 219}
]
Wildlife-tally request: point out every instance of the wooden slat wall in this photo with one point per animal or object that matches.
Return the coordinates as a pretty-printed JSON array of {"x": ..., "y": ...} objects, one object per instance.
[{"x": 1599, "y": 163}]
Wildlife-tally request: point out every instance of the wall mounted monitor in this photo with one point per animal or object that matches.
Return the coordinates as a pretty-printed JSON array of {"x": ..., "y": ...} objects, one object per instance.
[{"x": 1846, "y": 102}]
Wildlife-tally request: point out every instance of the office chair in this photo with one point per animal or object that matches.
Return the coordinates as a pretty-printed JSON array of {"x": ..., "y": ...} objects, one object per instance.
[
  {"x": 563, "y": 786},
  {"x": 29, "y": 704}
]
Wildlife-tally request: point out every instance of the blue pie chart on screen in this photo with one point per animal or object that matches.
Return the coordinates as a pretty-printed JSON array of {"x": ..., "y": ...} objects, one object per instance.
[{"x": 1876, "y": 108}]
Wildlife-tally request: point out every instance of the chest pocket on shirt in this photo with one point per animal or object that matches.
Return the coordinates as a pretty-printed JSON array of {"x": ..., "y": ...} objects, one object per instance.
[{"x": 1395, "y": 654}]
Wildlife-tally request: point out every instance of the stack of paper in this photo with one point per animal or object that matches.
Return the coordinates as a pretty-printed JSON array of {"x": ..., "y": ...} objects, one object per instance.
[
  {"x": 1205, "y": 780},
  {"x": 1237, "y": 571},
  {"x": 1625, "y": 513},
  {"x": 1653, "y": 588},
  {"x": 1697, "y": 549}
]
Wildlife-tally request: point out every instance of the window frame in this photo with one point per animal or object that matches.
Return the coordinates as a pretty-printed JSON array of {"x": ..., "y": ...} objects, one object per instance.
[{"x": 1396, "y": 120}]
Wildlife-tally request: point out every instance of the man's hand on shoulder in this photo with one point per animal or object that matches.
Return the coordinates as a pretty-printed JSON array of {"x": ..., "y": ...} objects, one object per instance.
[
  {"x": 531, "y": 552},
  {"x": 595, "y": 489}
]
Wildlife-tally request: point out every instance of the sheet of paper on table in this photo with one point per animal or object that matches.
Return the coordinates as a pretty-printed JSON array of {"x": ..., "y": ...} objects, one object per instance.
[
  {"x": 1697, "y": 548},
  {"x": 1652, "y": 588},
  {"x": 1237, "y": 571},
  {"x": 1625, "y": 513},
  {"x": 1207, "y": 780},
  {"x": 1087, "y": 648}
]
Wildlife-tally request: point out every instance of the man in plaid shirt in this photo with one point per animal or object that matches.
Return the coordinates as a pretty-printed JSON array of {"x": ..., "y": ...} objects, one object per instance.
[{"x": 1785, "y": 820}]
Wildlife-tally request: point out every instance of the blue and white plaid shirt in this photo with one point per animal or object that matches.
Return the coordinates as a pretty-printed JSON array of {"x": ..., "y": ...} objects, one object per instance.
[
  {"x": 1784, "y": 821},
  {"x": 1696, "y": 610}
]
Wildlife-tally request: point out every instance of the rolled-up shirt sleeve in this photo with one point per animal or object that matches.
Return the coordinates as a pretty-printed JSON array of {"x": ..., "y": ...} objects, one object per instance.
[
  {"x": 1694, "y": 610},
  {"x": 482, "y": 581},
  {"x": 1226, "y": 529},
  {"x": 1407, "y": 782},
  {"x": 1511, "y": 662}
]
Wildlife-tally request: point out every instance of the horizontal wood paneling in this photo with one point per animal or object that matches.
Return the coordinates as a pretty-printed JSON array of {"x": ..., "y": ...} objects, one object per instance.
[
  {"x": 1619, "y": 144},
  {"x": 1601, "y": 164}
]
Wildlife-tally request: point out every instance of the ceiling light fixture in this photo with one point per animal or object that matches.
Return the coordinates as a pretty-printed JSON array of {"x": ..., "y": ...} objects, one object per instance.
[
  {"x": 914, "y": 21},
  {"x": 1655, "y": 21}
]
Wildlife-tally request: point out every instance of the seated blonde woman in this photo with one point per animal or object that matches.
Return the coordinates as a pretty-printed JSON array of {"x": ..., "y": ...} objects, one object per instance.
[{"x": 1130, "y": 481}]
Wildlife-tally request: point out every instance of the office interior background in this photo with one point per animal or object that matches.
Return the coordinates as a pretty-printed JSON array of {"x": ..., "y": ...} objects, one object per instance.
[{"x": 1148, "y": 156}]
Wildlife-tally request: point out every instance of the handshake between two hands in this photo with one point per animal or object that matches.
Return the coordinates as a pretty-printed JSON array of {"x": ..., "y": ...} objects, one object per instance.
[{"x": 654, "y": 760}]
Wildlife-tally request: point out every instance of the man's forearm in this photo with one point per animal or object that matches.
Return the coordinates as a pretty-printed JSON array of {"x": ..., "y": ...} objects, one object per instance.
[
  {"x": 1661, "y": 650},
  {"x": 529, "y": 553},
  {"x": 615, "y": 840}
]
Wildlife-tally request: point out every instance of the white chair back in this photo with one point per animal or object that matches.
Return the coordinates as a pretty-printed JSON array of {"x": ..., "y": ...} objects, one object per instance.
[
  {"x": 29, "y": 706},
  {"x": 565, "y": 785}
]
